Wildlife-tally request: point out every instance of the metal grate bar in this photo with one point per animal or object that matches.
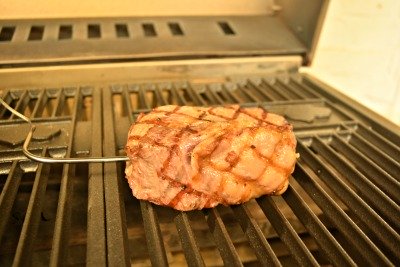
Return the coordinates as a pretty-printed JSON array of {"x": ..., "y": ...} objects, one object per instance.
[
  {"x": 379, "y": 177},
  {"x": 154, "y": 238},
  {"x": 365, "y": 188},
  {"x": 38, "y": 103},
  {"x": 351, "y": 199},
  {"x": 360, "y": 242},
  {"x": 143, "y": 99},
  {"x": 188, "y": 240},
  {"x": 63, "y": 217},
  {"x": 128, "y": 105},
  {"x": 249, "y": 95},
  {"x": 7, "y": 98},
  {"x": 25, "y": 106},
  {"x": 8, "y": 194},
  {"x": 278, "y": 95},
  {"x": 324, "y": 91},
  {"x": 293, "y": 93},
  {"x": 42, "y": 104},
  {"x": 215, "y": 96},
  {"x": 326, "y": 128},
  {"x": 204, "y": 95},
  {"x": 303, "y": 93},
  {"x": 383, "y": 144},
  {"x": 222, "y": 239},
  {"x": 161, "y": 101},
  {"x": 257, "y": 240},
  {"x": 286, "y": 232},
  {"x": 340, "y": 111},
  {"x": 337, "y": 255},
  {"x": 224, "y": 95},
  {"x": 30, "y": 227},
  {"x": 20, "y": 102},
  {"x": 177, "y": 96},
  {"x": 343, "y": 111},
  {"x": 388, "y": 164},
  {"x": 150, "y": 219},
  {"x": 165, "y": 93},
  {"x": 305, "y": 89},
  {"x": 61, "y": 103},
  {"x": 229, "y": 95},
  {"x": 195, "y": 97},
  {"x": 264, "y": 93},
  {"x": 181, "y": 98},
  {"x": 210, "y": 96},
  {"x": 57, "y": 107},
  {"x": 116, "y": 229},
  {"x": 96, "y": 233},
  {"x": 275, "y": 85}
]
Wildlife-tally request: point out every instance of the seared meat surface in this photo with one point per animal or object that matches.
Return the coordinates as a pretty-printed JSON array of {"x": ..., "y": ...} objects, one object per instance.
[{"x": 198, "y": 157}]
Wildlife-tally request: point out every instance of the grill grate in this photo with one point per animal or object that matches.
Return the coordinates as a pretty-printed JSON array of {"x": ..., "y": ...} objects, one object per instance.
[{"x": 341, "y": 207}]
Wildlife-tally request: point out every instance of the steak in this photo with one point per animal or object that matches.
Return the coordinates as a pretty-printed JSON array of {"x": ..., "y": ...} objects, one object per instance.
[{"x": 198, "y": 157}]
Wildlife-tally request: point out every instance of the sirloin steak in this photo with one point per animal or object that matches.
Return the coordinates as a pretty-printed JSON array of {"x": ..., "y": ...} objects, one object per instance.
[{"x": 198, "y": 157}]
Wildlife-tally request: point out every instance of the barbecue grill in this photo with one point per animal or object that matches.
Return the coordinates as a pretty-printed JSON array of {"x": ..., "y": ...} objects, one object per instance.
[{"x": 82, "y": 82}]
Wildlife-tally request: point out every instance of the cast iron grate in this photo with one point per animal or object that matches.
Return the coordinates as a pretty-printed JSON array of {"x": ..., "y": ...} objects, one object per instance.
[
  {"x": 44, "y": 209},
  {"x": 341, "y": 207}
]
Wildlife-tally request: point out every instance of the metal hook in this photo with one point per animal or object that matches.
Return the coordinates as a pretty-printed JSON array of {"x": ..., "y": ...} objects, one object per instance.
[{"x": 34, "y": 157}]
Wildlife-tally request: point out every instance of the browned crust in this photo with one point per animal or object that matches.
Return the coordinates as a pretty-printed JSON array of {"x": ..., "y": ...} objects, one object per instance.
[{"x": 232, "y": 157}]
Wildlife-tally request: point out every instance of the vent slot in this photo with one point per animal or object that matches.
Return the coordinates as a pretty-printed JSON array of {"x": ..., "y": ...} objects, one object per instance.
[
  {"x": 7, "y": 34},
  {"x": 94, "y": 31},
  {"x": 226, "y": 28},
  {"x": 175, "y": 29},
  {"x": 149, "y": 30},
  {"x": 121, "y": 30},
  {"x": 36, "y": 33},
  {"x": 65, "y": 32}
]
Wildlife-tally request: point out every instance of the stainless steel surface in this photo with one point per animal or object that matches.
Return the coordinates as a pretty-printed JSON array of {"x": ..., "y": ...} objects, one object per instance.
[
  {"x": 20, "y": 9},
  {"x": 341, "y": 205},
  {"x": 55, "y": 42},
  {"x": 305, "y": 19},
  {"x": 173, "y": 30},
  {"x": 197, "y": 70}
]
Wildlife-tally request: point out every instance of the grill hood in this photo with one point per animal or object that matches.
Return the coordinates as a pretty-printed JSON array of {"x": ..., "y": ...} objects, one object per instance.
[{"x": 161, "y": 30}]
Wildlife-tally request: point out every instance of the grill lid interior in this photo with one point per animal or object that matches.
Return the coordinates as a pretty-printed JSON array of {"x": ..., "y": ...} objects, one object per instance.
[{"x": 282, "y": 29}]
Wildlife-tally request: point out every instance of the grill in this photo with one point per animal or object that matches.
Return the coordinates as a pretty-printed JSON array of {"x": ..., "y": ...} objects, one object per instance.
[
  {"x": 83, "y": 83},
  {"x": 341, "y": 207}
]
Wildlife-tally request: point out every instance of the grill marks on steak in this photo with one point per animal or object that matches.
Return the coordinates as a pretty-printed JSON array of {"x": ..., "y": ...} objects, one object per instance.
[{"x": 194, "y": 157}]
